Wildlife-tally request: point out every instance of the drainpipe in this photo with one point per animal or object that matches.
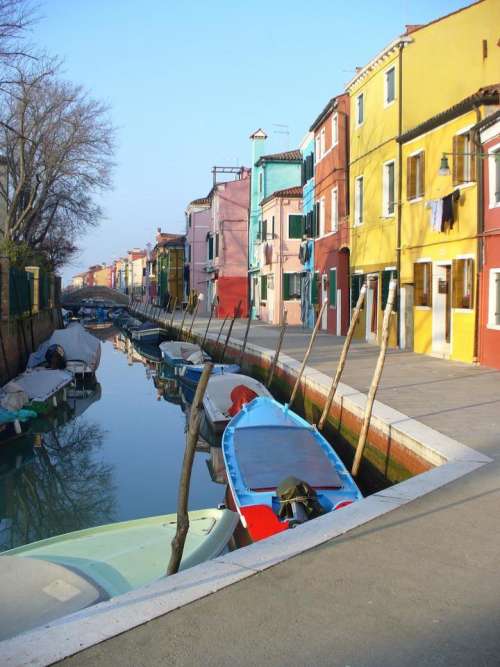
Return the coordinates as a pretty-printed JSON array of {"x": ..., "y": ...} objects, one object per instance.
[
  {"x": 400, "y": 190},
  {"x": 476, "y": 140}
]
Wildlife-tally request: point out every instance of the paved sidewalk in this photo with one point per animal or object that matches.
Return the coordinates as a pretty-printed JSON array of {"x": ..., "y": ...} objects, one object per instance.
[{"x": 418, "y": 586}]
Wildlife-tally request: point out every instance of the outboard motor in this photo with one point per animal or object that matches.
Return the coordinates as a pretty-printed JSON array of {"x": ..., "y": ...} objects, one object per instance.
[
  {"x": 55, "y": 357},
  {"x": 298, "y": 501}
]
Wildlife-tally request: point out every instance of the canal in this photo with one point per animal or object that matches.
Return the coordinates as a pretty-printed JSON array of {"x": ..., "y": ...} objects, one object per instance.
[{"x": 113, "y": 452}]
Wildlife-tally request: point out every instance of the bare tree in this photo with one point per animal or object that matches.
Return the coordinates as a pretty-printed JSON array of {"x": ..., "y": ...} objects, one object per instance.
[
  {"x": 16, "y": 16},
  {"x": 57, "y": 144}
]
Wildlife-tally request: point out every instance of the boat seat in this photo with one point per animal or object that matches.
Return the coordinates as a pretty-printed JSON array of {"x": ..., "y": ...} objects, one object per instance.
[{"x": 36, "y": 591}]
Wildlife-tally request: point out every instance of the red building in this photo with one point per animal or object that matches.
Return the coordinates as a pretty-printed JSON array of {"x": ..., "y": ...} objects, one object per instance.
[
  {"x": 489, "y": 314},
  {"x": 331, "y": 249}
]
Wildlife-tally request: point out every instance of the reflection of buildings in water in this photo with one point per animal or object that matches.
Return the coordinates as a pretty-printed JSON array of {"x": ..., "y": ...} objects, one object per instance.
[
  {"x": 60, "y": 487},
  {"x": 80, "y": 398},
  {"x": 216, "y": 466},
  {"x": 120, "y": 342}
]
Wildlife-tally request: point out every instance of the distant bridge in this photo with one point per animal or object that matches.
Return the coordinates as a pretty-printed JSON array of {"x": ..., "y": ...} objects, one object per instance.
[{"x": 112, "y": 297}]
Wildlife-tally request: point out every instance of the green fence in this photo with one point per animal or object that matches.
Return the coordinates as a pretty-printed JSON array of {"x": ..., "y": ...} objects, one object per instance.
[
  {"x": 20, "y": 291},
  {"x": 43, "y": 289}
]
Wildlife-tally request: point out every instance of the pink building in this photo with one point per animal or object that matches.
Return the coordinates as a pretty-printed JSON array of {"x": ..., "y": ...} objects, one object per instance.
[
  {"x": 198, "y": 224},
  {"x": 280, "y": 237},
  {"x": 227, "y": 245}
]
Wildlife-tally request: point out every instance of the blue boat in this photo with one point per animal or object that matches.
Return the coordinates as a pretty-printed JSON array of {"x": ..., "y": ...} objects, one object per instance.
[
  {"x": 266, "y": 444},
  {"x": 149, "y": 333},
  {"x": 191, "y": 374}
]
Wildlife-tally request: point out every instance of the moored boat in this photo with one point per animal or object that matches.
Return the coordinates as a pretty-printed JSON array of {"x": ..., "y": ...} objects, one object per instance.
[
  {"x": 69, "y": 572},
  {"x": 177, "y": 353},
  {"x": 268, "y": 449},
  {"x": 226, "y": 394},
  {"x": 82, "y": 350},
  {"x": 149, "y": 333},
  {"x": 191, "y": 373}
]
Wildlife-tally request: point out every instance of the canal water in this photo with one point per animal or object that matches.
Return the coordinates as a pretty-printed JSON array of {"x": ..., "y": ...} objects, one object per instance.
[{"x": 113, "y": 452}]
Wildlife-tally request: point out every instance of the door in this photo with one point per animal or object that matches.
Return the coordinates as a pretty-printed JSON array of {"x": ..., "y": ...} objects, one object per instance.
[
  {"x": 371, "y": 325},
  {"x": 441, "y": 309},
  {"x": 324, "y": 295}
]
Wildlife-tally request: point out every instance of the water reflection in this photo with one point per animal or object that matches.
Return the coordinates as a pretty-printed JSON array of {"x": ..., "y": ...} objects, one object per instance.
[{"x": 57, "y": 486}]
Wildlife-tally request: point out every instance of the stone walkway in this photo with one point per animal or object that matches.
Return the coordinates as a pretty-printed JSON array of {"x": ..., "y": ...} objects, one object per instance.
[{"x": 418, "y": 586}]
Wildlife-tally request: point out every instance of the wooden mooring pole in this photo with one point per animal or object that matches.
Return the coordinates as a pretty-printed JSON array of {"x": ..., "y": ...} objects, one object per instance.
[
  {"x": 212, "y": 308},
  {"x": 274, "y": 363},
  {"x": 183, "y": 320},
  {"x": 343, "y": 356},
  {"x": 195, "y": 313},
  {"x": 376, "y": 378},
  {"x": 220, "y": 333},
  {"x": 245, "y": 338},
  {"x": 236, "y": 315},
  {"x": 187, "y": 466},
  {"x": 173, "y": 312},
  {"x": 308, "y": 351}
]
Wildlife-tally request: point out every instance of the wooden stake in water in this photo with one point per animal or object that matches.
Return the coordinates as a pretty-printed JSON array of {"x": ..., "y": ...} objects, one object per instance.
[
  {"x": 173, "y": 312},
  {"x": 237, "y": 312},
  {"x": 187, "y": 466},
  {"x": 195, "y": 313},
  {"x": 183, "y": 319},
  {"x": 278, "y": 350},
  {"x": 308, "y": 351},
  {"x": 343, "y": 356},
  {"x": 376, "y": 378},
  {"x": 245, "y": 338},
  {"x": 212, "y": 308},
  {"x": 220, "y": 333}
]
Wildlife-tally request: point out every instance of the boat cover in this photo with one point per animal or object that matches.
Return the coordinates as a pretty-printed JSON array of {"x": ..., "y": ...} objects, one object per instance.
[
  {"x": 35, "y": 592},
  {"x": 39, "y": 384},
  {"x": 7, "y": 417},
  {"x": 176, "y": 349},
  {"x": 13, "y": 397},
  {"x": 268, "y": 454},
  {"x": 77, "y": 343}
]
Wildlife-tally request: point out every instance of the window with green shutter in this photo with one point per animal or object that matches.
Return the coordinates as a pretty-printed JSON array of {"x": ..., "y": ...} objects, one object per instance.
[
  {"x": 210, "y": 247},
  {"x": 217, "y": 244},
  {"x": 386, "y": 279},
  {"x": 263, "y": 288},
  {"x": 286, "y": 286},
  {"x": 294, "y": 226},
  {"x": 264, "y": 230},
  {"x": 315, "y": 289},
  {"x": 291, "y": 286},
  {"x": 333, "y": 288}
]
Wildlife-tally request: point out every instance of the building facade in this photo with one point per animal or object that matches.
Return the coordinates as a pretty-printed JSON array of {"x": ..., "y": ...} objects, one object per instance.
[
  {"x": 309, "y": 296},
  {"x": 489, "y": 321},
  {"x": 227, "y": 246},
  {"x": 331, "y": 243},
  {"x": 198, "y": 219},
  {"x": 270, "y": 173},
  {"x": 281, "y": 269}
]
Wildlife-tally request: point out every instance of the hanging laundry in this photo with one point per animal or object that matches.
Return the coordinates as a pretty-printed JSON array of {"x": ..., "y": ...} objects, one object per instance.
[
  {"x": 436, "y": 216},
  {"x": 449, "y": 217}
]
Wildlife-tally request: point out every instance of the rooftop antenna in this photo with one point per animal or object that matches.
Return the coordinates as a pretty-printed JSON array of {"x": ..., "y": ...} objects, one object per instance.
[{"x": 283, "y": 129}]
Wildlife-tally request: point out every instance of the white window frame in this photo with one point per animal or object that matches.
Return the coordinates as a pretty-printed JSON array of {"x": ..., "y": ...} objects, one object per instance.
[
  {"x": 493, "y": 166},
  {"x": 335, "y": 129},
  {"x": 321, "y": 221},
  {"x": 388, "y": 103},
  {"x": 334, "y": 209},
  {"x": 317, "y": 142},
  {"x": 492, "y": 306},
  {"x": 385, "y": 189},
  {"x": 293, "y": 273},
  {"x": 360, "y": 96},
  {"x": 358, "y": 209},
  {"x": 322, "y": 142},
  {"x": 468, "y": 155}
]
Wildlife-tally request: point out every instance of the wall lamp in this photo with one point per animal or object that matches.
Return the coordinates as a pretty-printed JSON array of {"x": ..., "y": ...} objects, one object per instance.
[{"x": 444, "y": 167}]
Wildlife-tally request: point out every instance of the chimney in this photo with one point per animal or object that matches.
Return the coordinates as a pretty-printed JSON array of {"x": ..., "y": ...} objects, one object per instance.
[
  {"x": 258, "y": 139},
  {"x": 411, "y": 27}
]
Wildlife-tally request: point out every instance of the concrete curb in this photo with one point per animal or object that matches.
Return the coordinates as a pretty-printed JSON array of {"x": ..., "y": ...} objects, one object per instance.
[{"x": 76, "y": 632}]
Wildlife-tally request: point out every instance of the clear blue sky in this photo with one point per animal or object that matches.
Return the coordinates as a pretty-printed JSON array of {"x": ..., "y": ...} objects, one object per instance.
[{"x": 188, "y": 81}]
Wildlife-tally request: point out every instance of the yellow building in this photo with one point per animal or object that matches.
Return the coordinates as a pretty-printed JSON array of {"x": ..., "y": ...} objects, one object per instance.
[{"x": 418, "y": 76}]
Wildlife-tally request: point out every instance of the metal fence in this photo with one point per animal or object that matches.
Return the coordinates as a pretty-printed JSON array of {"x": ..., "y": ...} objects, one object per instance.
[{"x": 20, "y": 291}]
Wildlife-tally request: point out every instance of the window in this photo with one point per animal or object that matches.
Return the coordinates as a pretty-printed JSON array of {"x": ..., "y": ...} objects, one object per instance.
[
  {"x": 189, "y": 220},
  {"x": 356, "y": 282},
  {"x": 263, "y": 288},
  {"x": 387, "y": 274},
  {"x": 291, "y": 286},
  {"x": 415, "y": 176},
  {"x": 390, "y": 86},
  {"x": 295, "y": 226},
  {"x": 464, "y": 165},
  {"x": 494, "y": 299},
  {"x": 335, "y": 129},
  {"x": 315, "y": 289},
  {"x": 360, "y": 109},
  {"x": 388, "y": 189},
  {"x": 462, "y": 283},
  {"x": 332, "y": 292},
  {"x": 321, "y": 217},
  {"x": 318, "y": 148},
  {"x": 358, "y": 201},
  {"x": 422, "y": 276},
  {"x": 335, "y": 210},
  {"x": 322, "y": 142},
  {"x": 494, "y": 176},
  {"x": 210, "y": 247},
  {"x": 260, "y": 181},
  {"x": 263, "y": 230},
  {"x": 188, "y": 249}
]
